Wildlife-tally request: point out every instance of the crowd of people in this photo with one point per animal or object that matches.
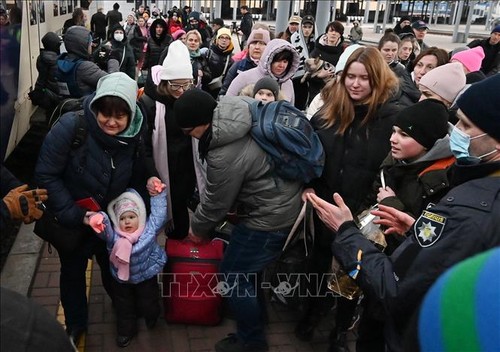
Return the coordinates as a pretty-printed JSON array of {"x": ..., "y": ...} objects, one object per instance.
[{"x": 405, "y": 126}]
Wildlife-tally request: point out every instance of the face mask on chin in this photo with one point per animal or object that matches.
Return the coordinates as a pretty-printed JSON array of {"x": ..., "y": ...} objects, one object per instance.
[
  {"x": 118, "y": 37},
  {"x": 459, "y": 145}
]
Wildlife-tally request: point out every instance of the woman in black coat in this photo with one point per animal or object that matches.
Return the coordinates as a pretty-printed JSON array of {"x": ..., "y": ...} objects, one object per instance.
[{"x": 354, "y": 129}]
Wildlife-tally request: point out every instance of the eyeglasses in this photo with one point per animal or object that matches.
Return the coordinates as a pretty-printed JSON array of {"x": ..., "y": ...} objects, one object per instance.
[{"x": 176, "y": 87}]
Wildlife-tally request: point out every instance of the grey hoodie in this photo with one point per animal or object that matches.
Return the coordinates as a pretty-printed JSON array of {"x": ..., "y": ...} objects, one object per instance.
[{"x": 76, "y": 41}]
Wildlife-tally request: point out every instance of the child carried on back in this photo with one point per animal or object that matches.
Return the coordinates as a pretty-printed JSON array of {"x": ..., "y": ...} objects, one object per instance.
[{"x": 135, "y": 257}]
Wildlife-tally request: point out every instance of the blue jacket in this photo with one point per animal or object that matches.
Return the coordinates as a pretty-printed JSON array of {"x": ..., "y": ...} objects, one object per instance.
[
  {"x": 101, "y": 168},
  {"x": 147, "y": 258}
]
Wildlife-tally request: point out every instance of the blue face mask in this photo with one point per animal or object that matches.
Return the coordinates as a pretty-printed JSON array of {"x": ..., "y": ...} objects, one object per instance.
[{"x": 460, "y": 143}]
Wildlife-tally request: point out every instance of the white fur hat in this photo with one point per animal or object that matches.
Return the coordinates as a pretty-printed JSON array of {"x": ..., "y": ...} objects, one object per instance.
[{"x": 177, "y": 64}]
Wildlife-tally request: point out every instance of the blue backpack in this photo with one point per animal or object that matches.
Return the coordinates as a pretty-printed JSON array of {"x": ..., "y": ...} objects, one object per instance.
[
  {"x": 285, "y": 133},
  {"x": 66, "y": 77}
]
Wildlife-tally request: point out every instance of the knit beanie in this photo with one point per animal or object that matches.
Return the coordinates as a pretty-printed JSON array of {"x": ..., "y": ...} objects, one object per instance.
[
  {"x": 267, "y": 83},
  {"x": 194, "y": 16},
  {"x": 446, "y": 80},
  {"x": 461, "y": 311},
  {"x": 471, "y": 58},
  {"x": 124, "y": 205},
  {"x": 258, "y": 35},
  {"x": 223, "y": 31},
  {"x": 194, "y": 108},
  {"x": 425, "y": 121},
  {"x": 129, "y": 200},
  {"x": 177, "y": 64},
  {"x": 178, "y": 33},
  {"x": 496, "y": 29},
  {"x": 481, "y": 105},
  {"x": 345, "y": 56}
]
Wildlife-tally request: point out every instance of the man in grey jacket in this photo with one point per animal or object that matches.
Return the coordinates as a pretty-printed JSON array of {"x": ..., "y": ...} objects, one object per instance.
[
  {"x": 78, "y": 41},
  {"x": 238, "y": 174}
]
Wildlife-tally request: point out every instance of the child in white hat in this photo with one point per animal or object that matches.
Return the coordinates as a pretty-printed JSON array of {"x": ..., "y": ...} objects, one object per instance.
[{"x": 135, "y": 257}]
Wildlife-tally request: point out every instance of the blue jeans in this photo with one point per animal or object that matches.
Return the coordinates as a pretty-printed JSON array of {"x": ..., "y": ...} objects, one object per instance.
[{"x": 247, "y": 255}]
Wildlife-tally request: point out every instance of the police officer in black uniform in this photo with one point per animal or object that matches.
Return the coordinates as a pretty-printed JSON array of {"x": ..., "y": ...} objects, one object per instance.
[{"x": 465, "y": 222}]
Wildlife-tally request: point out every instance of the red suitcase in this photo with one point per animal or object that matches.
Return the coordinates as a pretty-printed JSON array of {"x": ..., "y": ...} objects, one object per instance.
[{"x": 190, "y": 282}]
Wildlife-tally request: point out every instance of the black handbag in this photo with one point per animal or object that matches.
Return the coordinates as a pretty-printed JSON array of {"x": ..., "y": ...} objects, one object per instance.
[
  {"x": 63, "y": 239},
  {"x": 289, "y": 276}
]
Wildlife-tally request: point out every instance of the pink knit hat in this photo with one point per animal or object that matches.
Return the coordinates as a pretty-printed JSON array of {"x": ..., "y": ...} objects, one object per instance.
[
  {"x": 178, "y": 33},
  {"x": 471, "y": 59},
  {"x": 446, "y": 80},
  {"x": 125, "y": 204}
]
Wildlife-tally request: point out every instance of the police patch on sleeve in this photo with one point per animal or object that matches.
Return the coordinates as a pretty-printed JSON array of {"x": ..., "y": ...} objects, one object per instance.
[{"x": 428, "y": 228}]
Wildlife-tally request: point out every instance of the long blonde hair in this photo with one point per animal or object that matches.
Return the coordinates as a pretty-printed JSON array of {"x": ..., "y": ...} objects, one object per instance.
[{"x": 383, "y": 83}]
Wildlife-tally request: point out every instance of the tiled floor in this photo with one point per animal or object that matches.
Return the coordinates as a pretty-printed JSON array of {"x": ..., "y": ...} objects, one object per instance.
[{"x": 164, "y": 337}]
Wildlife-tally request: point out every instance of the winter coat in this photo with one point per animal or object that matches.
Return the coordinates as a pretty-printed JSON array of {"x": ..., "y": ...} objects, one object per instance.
[
  {"x": 179, "y": 154},
  {"x": 356, "y": 33},
  {"x": 147, "y": 258},
  {"x": 200, "y": 62},
  {"x": 353, "y": 159},
  {"x": 137, "y": 42},
  {"x": 46, "y": 63},
  {"x": 491, "y": 62},
  {"x": 156, "y": 44},
  {"x": 98, "y": 24},
  {"x": 464, "y": 223},
  {"x": 410, "y": 94},
  {"x": 88, "y": 73},
  {"x": 102, "y": 167},
  {"x": 417, "y": 183},
  {"x": 263, "y": 69},
  {"x": 239, "y": 173},
  {"x": 246, "y": 24},
  {"x": 329, "y": 53},
  {"x": 123, "y": 51},
  {"x": 113, "y": 17},
  {"x": 217, "y": 59},
  {"x": 233, "y": 72}
]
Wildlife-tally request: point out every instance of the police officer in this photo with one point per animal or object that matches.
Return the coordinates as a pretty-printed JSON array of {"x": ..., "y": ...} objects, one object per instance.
[{"x": 465, "y": 222}]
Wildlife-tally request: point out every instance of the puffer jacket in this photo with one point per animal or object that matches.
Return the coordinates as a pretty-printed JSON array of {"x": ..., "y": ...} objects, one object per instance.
[
  {"x": 76, "y": 41},
  {"x": 217, "y": 59},
  {"x": 239, "y": 173},
  {"x": 263, "y": 69},
  {"x": 102, "y": 167},
  {"x": 147, "y": 258},
  {"x": 156, "y": 44},
  {"x": 46, "y": 63},
  {"x": 233, "y": 72}
]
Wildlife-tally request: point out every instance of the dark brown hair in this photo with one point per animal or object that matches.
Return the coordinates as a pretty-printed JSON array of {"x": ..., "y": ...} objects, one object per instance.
[
  {"x": 440, "y": 54},
  {"x": 111, "y": 106}
]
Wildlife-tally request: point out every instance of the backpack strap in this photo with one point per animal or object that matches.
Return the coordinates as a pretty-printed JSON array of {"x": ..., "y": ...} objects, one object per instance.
[{"x": 81, "y": 131}]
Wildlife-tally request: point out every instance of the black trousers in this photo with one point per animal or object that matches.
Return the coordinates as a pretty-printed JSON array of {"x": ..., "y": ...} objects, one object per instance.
[
  {"x": 72, "y": 280},
  {"x": 133, "y": 301}
]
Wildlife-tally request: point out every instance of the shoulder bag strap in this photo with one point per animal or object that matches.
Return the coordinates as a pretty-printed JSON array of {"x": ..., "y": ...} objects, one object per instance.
[{"x": 225, "y": 67}]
